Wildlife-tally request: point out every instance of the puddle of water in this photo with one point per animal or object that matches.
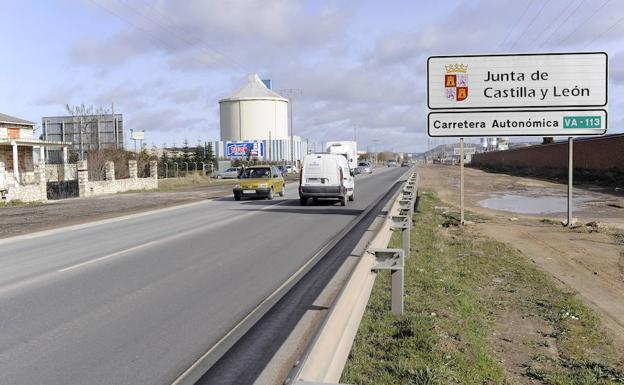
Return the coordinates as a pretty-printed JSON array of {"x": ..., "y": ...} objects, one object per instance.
[{"x": 528, "y": 205}]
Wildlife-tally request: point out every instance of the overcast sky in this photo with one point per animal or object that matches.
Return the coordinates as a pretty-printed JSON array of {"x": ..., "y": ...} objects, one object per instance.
[{"x": 165, "y": 63}]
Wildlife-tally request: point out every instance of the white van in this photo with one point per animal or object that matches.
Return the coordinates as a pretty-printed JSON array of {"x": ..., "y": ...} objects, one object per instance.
[{"x": 326, "y": 176}]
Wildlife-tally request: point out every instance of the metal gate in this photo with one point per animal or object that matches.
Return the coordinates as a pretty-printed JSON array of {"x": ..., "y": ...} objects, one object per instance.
[{"x": 63, "y": 189}]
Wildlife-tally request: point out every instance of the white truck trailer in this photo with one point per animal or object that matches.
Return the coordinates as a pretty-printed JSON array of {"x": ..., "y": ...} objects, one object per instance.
[{"x": 346, "y": 148}]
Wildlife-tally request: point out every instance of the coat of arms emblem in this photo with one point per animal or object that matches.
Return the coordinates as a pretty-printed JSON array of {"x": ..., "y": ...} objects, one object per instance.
[{"x": 456, "y": 82}]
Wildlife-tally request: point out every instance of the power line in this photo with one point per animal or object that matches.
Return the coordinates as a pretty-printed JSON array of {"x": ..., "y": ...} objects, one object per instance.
[
  {"x": 185, "y": 35},
  {"x": 586, "y": 21},
  {"x": 155, "y": 37},
  {"x": 621, "y": 19},
  {"x": 171, "y": 33},
  {"x": 535, "y": 17},
  {"x": 548, "y": 25},
  {"x": 561, "y": 23},
  {"x": 515, "y": 25}
]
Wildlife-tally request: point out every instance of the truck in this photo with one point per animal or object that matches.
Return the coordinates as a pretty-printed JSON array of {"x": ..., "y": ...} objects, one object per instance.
[{"x": 346, "y": 148}]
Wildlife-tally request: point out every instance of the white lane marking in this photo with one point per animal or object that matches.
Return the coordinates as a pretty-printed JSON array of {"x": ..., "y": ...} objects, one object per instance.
[
  {"x": 80, "y": 226},
  {"x": 81, "y": 264},
  {"x": 161, "y": 240}
]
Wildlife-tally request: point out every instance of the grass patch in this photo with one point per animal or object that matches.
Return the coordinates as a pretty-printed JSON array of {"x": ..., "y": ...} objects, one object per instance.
[
  {"x": 458, "y": 289},
  {"x": 18, "y": 203}
]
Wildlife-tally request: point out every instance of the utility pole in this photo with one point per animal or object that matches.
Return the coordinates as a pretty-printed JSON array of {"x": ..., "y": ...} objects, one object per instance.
[{"x": 291, "y": 94}]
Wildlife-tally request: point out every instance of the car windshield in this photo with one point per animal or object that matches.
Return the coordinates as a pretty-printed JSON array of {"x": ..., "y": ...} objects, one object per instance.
[
  {"x": 362, "y": 164},
  {"x": 256, "y": 173}
]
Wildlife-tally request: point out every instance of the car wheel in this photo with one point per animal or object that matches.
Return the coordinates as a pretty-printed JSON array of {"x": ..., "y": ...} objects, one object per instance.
[
  {"x": 303, "y": 201},
  {"x": 270, "y": 197},
  {"x": 352, "y": 197},
  {"x": 237, "y": 197},
  {"x": 281, "y": 193},
  {"x": 343, "y": 201},
  {"x": 315, "y": 200}
]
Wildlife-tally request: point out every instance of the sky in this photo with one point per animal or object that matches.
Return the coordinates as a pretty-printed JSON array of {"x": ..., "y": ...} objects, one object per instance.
[{"x": 360, "y": 65}]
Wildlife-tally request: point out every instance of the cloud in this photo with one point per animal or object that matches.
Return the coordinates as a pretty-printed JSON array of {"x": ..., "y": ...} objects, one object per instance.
[{"x": 349, "y": 76}]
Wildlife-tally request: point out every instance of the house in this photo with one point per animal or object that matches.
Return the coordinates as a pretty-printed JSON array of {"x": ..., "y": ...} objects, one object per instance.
[{"x": 22, "y": 175}]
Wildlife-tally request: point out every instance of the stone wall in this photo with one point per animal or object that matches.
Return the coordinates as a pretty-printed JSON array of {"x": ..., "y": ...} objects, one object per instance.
[
  {"x": 61, "y": 172},
  {"x": 111, "y": 185},
  {"x": 33, "y": 192}
]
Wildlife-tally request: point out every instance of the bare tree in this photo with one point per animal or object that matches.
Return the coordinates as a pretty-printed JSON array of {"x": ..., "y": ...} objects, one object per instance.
[{"x": 84, "y": 116}]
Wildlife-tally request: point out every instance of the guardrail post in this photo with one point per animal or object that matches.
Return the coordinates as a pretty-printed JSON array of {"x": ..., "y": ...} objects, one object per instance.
[
  {"x": 402, "y": 222},
  {"x": 393, "y": 260}
]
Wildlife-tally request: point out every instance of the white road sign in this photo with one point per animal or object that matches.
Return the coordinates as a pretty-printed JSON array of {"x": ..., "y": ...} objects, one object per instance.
[
  {"x": 518, "y": 123},
  {"x": 517, "y": 81},
  {"x": 137, "y": 135},
  {"x": 467, "y": 151}
]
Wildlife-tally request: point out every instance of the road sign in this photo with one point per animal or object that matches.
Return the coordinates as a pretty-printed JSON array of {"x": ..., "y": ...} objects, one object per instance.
[
  {"x": 467, "y": 151},
  {"x": 137, "y": 135},
  {"x": 517, "y": 81},
  {"x": 517, "y": 123}
]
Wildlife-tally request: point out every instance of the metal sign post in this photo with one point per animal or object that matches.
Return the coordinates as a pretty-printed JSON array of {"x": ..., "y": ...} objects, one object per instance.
[
  {"x": 461, "y": 180},
  {"x": 570, "y": 173}
]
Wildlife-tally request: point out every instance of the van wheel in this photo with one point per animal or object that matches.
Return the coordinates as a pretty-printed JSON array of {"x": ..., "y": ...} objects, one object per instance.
[
  {"x": 270, "y": 196},
  {"x": 343, "y": 201},
  {"x": 281, "y": 193},
  {"x": 315, "y": 201},
  {"x": 352, "y": 197},
  {"x": 303, "y": 201}
]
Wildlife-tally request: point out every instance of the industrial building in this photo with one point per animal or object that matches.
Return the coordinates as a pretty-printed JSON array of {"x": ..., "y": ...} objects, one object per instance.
[
  {"x": 96, "y": 132},
  {"x": 255, "y": 119}
]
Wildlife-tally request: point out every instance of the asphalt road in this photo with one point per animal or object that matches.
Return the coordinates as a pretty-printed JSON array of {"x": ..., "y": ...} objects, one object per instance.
[{"x": 138, "y": 300}]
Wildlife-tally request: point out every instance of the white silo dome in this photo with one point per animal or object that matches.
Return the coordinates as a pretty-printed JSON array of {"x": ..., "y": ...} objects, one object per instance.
[{"x": 254, "y": 112}]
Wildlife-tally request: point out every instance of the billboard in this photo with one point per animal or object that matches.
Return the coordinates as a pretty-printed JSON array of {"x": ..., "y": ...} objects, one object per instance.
[{"x": 255, "y": 149}]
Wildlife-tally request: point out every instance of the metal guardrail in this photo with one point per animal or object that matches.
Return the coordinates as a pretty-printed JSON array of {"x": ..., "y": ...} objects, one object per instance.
[{"x": 327, "y": 354}]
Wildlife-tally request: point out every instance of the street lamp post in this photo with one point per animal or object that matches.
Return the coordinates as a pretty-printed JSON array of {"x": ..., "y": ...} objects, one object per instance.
[{"x": 291, "y": 93}]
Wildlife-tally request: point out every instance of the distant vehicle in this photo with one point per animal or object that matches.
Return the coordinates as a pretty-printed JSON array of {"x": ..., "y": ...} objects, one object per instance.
[
  {"x": 282, "y": 169},
  {"x": 405, "y": 163},
  {"x": 290, "y": 169},
  {"x": 346, "y": 148},
  {"x": 229, "y": 173},
  {"x": 364, "y": 168},
  {"x": 326, "y": 176},
  {"x": 259, "y": 181},
  {"x": 392, "y": 163}
]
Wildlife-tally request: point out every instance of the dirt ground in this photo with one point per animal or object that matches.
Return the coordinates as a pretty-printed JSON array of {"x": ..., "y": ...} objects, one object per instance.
[
  {"x": 27, "y": 219},
  {"x": 587, "y": 259}
]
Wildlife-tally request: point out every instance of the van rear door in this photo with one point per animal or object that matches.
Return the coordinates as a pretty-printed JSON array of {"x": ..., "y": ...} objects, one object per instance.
[{"x": 320, "y": 170}]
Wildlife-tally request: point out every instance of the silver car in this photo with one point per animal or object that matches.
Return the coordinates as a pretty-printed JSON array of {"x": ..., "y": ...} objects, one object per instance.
[
  {"x": 230, "y": 173},
  {"x": 364, "y": 168}
]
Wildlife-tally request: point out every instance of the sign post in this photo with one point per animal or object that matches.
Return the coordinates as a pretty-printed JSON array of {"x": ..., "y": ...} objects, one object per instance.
[
  {"x": 570, "y": 179},
  {"x": 461, "y": 180},
  {"x": 558, "y": 94}
]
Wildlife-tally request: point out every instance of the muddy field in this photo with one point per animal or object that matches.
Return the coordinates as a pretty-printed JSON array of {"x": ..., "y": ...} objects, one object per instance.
[{"x": 526, "y": 214}]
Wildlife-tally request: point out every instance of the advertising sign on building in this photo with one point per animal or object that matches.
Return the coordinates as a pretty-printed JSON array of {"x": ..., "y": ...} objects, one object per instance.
[
  {"x": 253, "y": 149},
  {"x": 517, "y": 81}
]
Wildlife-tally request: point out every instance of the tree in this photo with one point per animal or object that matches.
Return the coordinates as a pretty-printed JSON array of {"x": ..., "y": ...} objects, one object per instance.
[
  {"x": 548, "y": 140},
  {"x": 199, "y": 153},
  {"x": 85, "y": 116},
  {"x": 210, "y": 156},
  {"x": 186, "y": 152}
]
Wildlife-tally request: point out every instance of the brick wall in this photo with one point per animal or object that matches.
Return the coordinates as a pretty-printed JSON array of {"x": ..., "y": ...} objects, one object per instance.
[{"x": 596, "y": 154}]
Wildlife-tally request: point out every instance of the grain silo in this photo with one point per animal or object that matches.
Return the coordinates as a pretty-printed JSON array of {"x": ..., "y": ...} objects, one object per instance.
[{"x": 254, "y": 112}]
